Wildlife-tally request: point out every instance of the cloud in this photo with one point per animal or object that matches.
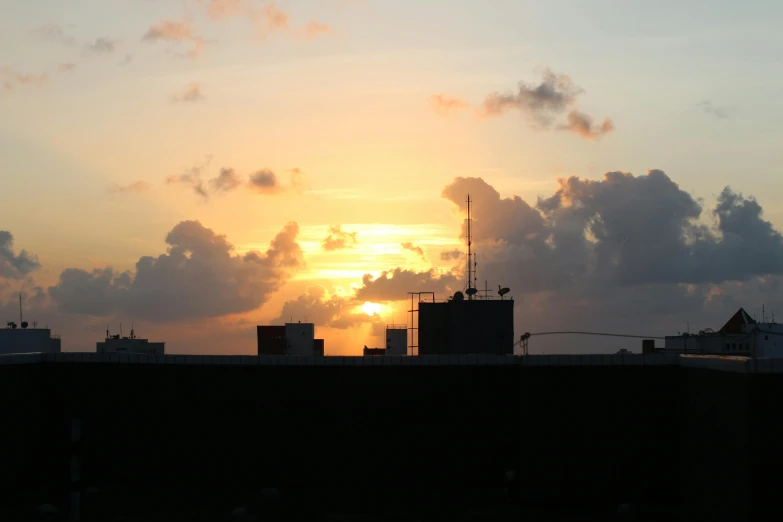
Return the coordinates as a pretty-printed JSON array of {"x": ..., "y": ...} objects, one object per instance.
[
  {"x": 15, "y": 266},
  {"x": 191, "y": 93},
  {"x": 192, "y": 178},
  {"x": 708, "y": 107},
  {"x": 137, "y": 187},
  {"x": 619, "y": 253},
  {"x": 582, "y": 124},
  {"x": 444, "y": 104},
  {"x": 451, "y": 255},
  {"x": 413, "y": 248},
  {"x": 553, "y": 95},
  {"x": 318, "y": 307},
  {"x": 127, "y": 60},
  {"x": 219, "y": 9},
  {"x": 175, "y": 32},
  {"x": 53, "y": 33},
  {"x": 264, "y": 181},
  {"x": 199, "y": 277},
  {"x": 101, "y": 46},
  {"x": 67, "y": 67},
  {"x": 226, "y": 181},
  {"x": 339, "y": 239},
  {"x": 393, "y": 285},
  {"x": 12, "y": 78},
  {"x": 541, "y": 104},
  {"x": 314, "y": 28}
]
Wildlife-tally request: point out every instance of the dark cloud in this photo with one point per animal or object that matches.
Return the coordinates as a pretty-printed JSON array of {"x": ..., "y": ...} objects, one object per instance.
[
  {"x": 410, "y": 247},
  {"x": 553, "y": 95},
  {"x": 137, "y": 187},
  {"x": 444, "y": 104},
  {"x": 264, "y": 181},
  {"x": 623, "y": 253},
  {"x": 15, "y": 266},
  {"x": 200, "y": 276},
  {"x": 53, "y": 33},
  {"x": 226, "y": 181},
  {"x": 582, "y": 124},
  {"x": 191, "y": 93},
  {"x": 102, "y": 46},
  {"x": 338, "y": 239},
  {"x": 451, "y": 255},
  {"x": 544, "y": 102},
  {"x": 708, "y": 107},
  {"x": 393, "y": 285}
]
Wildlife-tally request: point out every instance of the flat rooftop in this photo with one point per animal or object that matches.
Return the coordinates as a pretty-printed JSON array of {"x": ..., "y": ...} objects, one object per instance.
[{"x": 711, "y": 362}]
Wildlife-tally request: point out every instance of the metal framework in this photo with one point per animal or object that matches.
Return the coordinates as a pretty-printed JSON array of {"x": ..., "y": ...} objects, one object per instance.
[{"x": 413, "y": 347}]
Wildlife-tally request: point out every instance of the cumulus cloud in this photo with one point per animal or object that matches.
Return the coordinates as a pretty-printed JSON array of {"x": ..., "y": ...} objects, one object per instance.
[
  {"x": 170, "y": 31},
  {"x": 15, "y": 266},
  {"x": 101, "y": 46},
  {"x": 410, "y": 247},
  {"x": 708, "y": 107},
  {"x": 319, "y": 307},
  {"x": 191, "y": 93},
  {"x": 137, "y": 187},
  {"x": 339, "y": 239},
  {"x": 53, "y": 33},
  {"x": 444, "y": 104},
  {"x": 393, "y": 285},
  {"x": 200, "y": 276},
  {"x": 583, "y": 125},
  {"x": 619, "y": 253}
]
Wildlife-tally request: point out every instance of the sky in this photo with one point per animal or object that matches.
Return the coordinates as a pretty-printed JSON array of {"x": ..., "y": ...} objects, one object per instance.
[{"x": 197, "y": 167}]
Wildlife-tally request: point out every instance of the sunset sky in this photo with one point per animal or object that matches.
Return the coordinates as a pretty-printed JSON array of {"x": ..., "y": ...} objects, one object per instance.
[{"x": 197, "y": 167}]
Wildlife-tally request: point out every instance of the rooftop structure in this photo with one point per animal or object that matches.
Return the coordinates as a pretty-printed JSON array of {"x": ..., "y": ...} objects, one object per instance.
[
  {"x": 472, "y": 321},
  {"x": 23, "y": 339},
  {"x": 740, "y": 336},
  {"x": 289, "y": 339},
  {"x": 130, "y": 345}
]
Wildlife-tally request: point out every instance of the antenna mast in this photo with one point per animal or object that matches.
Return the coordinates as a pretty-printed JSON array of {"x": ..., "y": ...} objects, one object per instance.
[
  {"x": 470, "y": 271},
  {"x": 21, "y": 318}
]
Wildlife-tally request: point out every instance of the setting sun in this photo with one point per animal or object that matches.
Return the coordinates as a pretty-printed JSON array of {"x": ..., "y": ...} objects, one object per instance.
[{"x": 372, "y": 308}]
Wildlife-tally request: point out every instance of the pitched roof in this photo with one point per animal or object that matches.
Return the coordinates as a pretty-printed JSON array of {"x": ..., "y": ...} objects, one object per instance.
[{"x": 734, "y": 325}]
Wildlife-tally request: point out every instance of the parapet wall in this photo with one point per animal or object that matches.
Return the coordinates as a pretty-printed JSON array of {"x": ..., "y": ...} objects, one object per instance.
[{"x": 581, "y": 430}]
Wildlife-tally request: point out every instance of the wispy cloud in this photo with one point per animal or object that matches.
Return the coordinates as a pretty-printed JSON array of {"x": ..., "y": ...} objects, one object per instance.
[
  {"x": 12, "y": 78},
  {"x": 175, "y": 32},
  {"x": 444, "y": 104},
  {"x": 191, "y": 93},
  {"x": 101, "y": 46},
  {"x": 53, "y": 33},
  {"x": 410, "y": 247},
  {"x": 136, "y": 187},
  {"x": 127, "y": 60},
  {"x": 719, "y": 112},
  {"x": 226, "y": 181},
  {"x": 314, "y": 28},
  {"x": 67, "y": 67},
  {"x": 263, "y": 181}
]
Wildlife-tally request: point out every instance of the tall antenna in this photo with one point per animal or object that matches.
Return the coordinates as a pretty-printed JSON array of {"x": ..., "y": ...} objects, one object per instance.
[
  {"x": 21, "y": 318},
  {"x": 470, "y": 271}
]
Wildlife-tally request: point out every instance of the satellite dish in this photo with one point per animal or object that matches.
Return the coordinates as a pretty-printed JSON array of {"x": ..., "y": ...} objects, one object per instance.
[
  {"x": 458, "y": 296},
  {"x": 471, "y": 291},
  {"x": 11, "y": 325},
  {"x": 503, "y": 291},
  {"x": 24, "y": 324}
]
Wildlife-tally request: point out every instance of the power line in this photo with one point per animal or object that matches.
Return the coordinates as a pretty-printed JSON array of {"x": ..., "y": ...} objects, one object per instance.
[{"x": 568, "y": 332}]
